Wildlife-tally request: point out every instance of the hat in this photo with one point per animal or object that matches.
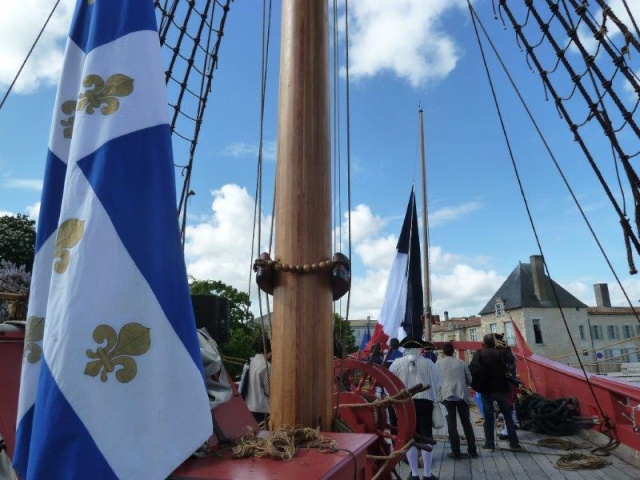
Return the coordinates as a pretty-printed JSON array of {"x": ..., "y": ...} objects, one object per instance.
[
  {"x": 499, "y": 337},
  {"x": 430, "y": 346},
  {"x": 412, "y": 342},
  {"x": 415, "y": 342}
]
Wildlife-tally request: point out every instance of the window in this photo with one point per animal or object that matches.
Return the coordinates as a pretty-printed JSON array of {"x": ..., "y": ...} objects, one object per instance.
[
  {"x": 499, "y": 309},
  {"x": 493, "y": 327},
  {"x": 508, "y": 333},
  {"x": 581, "y": 331},
  {"x": 627, "y": 331},
  {"x": 624, "y": 354},
  {"x": 473, "y": 334},
  {"x": 612, "y": 331},
  {"x": 596, "y": 332},
  {"x": 537, "y": 331}
]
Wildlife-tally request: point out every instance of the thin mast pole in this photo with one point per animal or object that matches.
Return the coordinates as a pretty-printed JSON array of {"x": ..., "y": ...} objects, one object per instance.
[
  {"x": 425, "y": 233},
  {"x": 302, "y": 336}
]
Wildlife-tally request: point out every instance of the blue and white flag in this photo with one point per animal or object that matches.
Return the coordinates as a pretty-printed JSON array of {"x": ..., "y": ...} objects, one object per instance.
[{"x": 112, "y": 383}]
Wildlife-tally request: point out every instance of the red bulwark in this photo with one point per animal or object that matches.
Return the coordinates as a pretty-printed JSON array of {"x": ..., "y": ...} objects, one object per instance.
[
  {"x": 11, "y": 346},
  {"x": 349, "y": 463}
]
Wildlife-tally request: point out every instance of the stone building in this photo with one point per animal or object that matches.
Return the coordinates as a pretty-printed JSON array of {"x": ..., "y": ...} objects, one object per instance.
[
  {"x": 546, "y": 314},
  {"x": 458, "y": 329}
]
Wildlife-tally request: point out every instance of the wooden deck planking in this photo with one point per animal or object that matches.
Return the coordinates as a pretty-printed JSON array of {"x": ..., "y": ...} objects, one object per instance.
[{"x": 535, "y": 463}]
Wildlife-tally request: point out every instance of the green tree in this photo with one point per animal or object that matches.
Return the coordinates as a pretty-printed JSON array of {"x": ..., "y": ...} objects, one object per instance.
[
  {"x": 17, "y": 240},
  {"x": 344, "y": 333},
  {"x": 242, "y": 330}
]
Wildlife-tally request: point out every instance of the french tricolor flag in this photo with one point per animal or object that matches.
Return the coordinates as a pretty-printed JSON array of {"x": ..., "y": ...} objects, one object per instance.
[{"x": 403, "y": 304}]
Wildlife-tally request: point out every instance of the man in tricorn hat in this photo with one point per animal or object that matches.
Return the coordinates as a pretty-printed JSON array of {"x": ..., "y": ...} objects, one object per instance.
[{"x": 413, "y": 369}]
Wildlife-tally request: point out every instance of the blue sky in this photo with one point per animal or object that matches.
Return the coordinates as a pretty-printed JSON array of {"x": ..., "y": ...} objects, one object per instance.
[{"x": 402, "y": 53}]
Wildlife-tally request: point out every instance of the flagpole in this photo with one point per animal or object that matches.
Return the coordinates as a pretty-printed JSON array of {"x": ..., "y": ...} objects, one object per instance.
[{"x": 425, "y": 233}]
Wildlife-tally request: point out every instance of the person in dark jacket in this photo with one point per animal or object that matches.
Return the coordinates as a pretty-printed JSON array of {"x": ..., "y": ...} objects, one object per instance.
[{"x": 497, "y": 363}]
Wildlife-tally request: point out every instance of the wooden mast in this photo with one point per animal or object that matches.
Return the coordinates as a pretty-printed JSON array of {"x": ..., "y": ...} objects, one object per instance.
[
  {"x": 425, "y": 234},
  {"x": 302, "y": 339}
]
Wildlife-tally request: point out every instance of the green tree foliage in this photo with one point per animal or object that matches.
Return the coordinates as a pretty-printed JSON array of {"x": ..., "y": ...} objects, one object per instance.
[
  {"x": 241, "y": 327},
  {"x": 17, "y": 240},
  {"x": 344, "y": 333}
]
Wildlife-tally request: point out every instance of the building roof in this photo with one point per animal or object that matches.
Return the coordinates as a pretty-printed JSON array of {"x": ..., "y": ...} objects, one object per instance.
[
  {"x": 517, "y": 291},
  {"x": 457, "y": 324},
  {"x": 612, "y": 311}
]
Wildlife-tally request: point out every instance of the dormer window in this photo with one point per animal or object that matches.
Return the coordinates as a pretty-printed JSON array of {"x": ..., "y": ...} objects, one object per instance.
[{"x": 499, "y": 308}]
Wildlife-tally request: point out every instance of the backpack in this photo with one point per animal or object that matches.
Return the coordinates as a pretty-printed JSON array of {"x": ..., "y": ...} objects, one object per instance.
[
  {"x": 478, "y": 373},
  {"x": 243, "y": 385}
]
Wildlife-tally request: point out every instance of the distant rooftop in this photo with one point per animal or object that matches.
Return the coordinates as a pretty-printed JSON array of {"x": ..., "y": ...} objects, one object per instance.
[{"x": 518, "y": 291}]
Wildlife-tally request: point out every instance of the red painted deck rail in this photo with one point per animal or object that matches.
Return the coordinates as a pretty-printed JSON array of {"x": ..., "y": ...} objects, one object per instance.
[{"x": 11, "y": 347}]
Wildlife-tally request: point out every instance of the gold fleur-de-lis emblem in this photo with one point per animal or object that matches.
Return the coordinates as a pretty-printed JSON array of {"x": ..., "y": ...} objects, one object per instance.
[
  {"x": 117, "y": 85},
  {"x": 68, "y": 108},
  {"x": 69, "y": 234},
  {"x": 133, "y": 340},
  {"x": 34, "y": 333}
]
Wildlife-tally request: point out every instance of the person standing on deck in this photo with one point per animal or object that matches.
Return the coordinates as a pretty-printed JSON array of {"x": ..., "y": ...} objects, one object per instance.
[
  {"x": 393, "y": 353},
  {"x": 413, "y": 369},
  {"x": 455, "y": 397},
  {"x": 497, "y": 388},
  {"x": 259, "y": 375}
]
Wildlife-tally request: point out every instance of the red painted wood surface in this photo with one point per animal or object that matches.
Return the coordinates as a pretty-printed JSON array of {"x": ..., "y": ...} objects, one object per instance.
[
  {"x": 350, "y": 462},
  {"x": 11, "y": 347}
]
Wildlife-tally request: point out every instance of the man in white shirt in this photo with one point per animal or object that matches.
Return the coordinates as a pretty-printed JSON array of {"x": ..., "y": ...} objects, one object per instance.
[
  {"x": 259, "y": 377},
  {"x": 413, "y": 369},
  {"x": 455, "y": 397}
]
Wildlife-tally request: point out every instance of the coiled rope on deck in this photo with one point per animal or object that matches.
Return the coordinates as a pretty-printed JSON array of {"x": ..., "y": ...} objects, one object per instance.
[
  {"x": 282, "y": 443},
  {"x": 578, "y": 461}
]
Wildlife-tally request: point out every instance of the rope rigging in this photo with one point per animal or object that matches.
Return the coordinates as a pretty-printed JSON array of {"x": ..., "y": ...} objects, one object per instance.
[
  {"x": 553, "y": 159},
  {"x": 193, "y": 58},
  {"x": 595, "y": 101},
  {"x": 529, "y": 49}
]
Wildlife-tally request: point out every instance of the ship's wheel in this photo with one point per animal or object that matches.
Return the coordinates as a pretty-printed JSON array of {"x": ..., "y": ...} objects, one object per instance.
[{"x": 357, "y": 388}]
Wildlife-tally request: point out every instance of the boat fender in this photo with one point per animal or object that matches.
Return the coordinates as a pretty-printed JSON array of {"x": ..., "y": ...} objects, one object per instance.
[{"x": 340, "y": 275}]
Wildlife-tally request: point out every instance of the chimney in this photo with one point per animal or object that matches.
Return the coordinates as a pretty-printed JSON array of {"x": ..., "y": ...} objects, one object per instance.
[
  {"x": 602, "y": 295},
  {"x": 540, "y": 280},
  {"x": 446, "y": 316}
]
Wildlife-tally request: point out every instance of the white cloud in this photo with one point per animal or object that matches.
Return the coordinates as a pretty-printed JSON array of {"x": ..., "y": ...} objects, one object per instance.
[
  {"x": 219, "y": 248},
  {"x": 245, "y": 150},
  {"x": 377, "y": 252},
  {"x": 451, "y": 214},
  {"x": 404, "y": 37},
  {"x": 631, "y": 286},
  {"x": 364, "y": 224},
  {"x": 24, "y": 183},
  {"x": 20, "y": 23},
  {"x": 34, "y": 211}
]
